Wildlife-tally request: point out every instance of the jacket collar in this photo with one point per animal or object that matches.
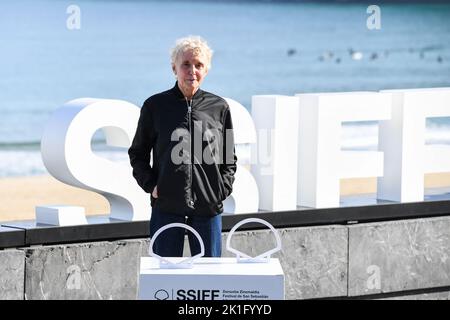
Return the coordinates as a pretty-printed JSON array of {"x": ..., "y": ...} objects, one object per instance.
[{"x": 176, "y": 90}]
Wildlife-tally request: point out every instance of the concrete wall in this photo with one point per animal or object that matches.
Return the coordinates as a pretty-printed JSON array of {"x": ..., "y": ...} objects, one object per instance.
[
  {"x": 12, "y": 266},
  {"x": 314, "y": 259},
  {"x": 100, "y": 270},
  {"x": 318, "y": 262},
  {"x": 398, "y": 256}
]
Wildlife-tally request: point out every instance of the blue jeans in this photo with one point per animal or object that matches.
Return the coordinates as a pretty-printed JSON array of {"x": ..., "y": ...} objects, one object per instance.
[{"x": 170, "y": 242}]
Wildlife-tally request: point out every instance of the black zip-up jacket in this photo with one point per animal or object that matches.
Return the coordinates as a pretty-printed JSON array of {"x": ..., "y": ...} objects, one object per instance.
[{"x": 167, "y": 128}]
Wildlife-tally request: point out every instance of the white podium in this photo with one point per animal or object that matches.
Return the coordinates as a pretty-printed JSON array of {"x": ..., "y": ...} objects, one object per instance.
[
  {"x": 196, "y": 278},
  {"x": 212, "y": 279}
]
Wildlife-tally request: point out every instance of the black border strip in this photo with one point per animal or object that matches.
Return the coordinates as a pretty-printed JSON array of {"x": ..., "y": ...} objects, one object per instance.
[
  {"x": 342, "y": 215},
  {"x": 11, "y": 237},
  {"x": 101, "y": 228},
  {"x": 87, "y": 233}
]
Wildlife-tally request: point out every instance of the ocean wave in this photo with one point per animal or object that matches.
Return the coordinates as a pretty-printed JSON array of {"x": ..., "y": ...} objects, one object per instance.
[
  {"x": 365, "y": 136},
  {"x": 36, "y": 145},
  {"x": 24, "y": 158},
  {"x": 20, "y": 145},
  {"x": 15, "y": 163}
]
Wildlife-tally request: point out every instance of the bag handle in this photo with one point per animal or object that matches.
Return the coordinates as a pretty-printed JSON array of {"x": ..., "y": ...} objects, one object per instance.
[
  {"x": 165, "y": 263},
  {"x": 263, "y": 257}
]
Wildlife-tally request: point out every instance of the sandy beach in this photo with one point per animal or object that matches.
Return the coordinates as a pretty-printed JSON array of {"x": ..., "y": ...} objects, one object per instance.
[{"x": 21, "y": 195}]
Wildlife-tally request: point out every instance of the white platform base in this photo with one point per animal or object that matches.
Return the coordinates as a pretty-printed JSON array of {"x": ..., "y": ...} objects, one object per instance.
[
  {"x": 211, "y": 279},
  {"x": 60, "y": 215}
]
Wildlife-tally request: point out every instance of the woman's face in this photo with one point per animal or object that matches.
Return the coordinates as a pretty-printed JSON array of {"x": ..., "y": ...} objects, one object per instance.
[{"x": 190, "y": 69}]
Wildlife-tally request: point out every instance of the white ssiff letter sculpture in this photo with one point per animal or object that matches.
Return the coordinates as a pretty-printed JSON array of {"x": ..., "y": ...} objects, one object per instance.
[{"x": 289, "y": 151}]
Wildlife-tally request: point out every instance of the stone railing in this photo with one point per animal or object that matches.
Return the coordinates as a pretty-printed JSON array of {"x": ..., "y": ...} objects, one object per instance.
[{"x": 404, "y": 259}]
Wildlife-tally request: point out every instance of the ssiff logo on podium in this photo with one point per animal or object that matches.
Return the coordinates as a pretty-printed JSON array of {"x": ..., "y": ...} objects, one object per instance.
[
  {"x": 213, "y": 279},
  {"x": 208, "y": 294}
]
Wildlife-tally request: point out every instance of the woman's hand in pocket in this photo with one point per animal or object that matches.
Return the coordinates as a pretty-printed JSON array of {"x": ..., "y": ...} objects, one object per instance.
[{"x": 155, "y": 192}]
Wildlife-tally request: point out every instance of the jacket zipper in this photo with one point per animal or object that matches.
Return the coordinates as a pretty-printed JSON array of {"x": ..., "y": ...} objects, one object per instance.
[{"x": 189, "y": 105}]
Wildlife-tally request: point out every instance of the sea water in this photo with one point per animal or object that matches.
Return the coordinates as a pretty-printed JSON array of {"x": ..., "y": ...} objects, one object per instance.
[{"x": 121, "y": 51}]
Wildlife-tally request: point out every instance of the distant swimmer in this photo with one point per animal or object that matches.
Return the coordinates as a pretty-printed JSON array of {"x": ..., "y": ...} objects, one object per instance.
[
  {"x": 373, "y": 56},
  {"x": 338, "y": 60},
  {"x": 291, "y": 52},
  {"x": 327, "y": 55},
  {"x": 439, "y": 59}
]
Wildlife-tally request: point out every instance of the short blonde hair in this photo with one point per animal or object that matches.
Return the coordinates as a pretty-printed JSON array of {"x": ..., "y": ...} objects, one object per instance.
[{"x": 195, "y": 43}]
